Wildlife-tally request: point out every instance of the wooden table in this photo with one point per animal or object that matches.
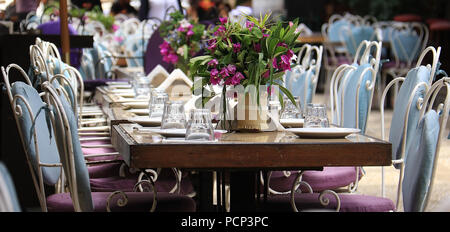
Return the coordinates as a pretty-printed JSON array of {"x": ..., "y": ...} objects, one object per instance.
[{"x": 243, "y": 154}]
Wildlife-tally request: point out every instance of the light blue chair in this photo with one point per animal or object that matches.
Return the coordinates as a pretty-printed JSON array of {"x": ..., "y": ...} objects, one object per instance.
[
  {"x": 8, "y": 197},
  {"x": 81, "y": 198},
  {"x": 406, "y": 111},
  {"x": 353, "y": 36},
  {"x": 33, "y": 122}
]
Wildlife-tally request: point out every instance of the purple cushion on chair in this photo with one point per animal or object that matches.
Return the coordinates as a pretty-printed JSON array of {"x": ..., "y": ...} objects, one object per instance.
[
  {"x": 113, "y": 183},
  {"x": 104, "y": 170},
  {"x": 330, "y": 178},
  {"x": 280, "y": 183},
  {"x": 349, "y": 203},
  {"x": 164, "y": 183},
  {"x": 136, "y": 202}
]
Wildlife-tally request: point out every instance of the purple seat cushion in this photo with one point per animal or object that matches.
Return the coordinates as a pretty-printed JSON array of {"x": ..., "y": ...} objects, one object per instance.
[
  {"x": 137, "y": 201},
  {"x": 164, "y": 183},
  {"x": 330, "y": 178},
  {"x": 104, "y": 170},
  {"x": 349, "y": 203}
]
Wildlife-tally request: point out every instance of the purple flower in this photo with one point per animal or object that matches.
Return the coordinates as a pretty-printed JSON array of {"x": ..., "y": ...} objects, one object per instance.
[
  {"x": 220, "y": 30},
  {"x": 223, "y": 20},
  {"x": 214, "y": 78},
  {"x": 224, "y": 72},
  {"x": 236, "y": 47},
  {"x": 266, "y": 74},
  {"x": 274, "y": 63},
  {"x": 285, "y": 63},
  {"x": 190, "y": 33},
  {"x": 173, "y": 58},
  {"x": 231, "y": 69},
  {"x": 214, "y": 73},
  {"x": 212, "y": 44},
  {"x": 282, "y": 44},
  {"x": 213, "y": 63},
  {"x": 236, "y": 79},
  {"x": 249, "y": 25},
  {"x": 265, "y": 35},
  {"x": 181, "y": 29},
  {"x": 290, "y": 53}
]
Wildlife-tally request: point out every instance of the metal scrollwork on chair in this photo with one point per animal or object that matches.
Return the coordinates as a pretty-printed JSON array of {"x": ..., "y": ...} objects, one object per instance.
[{"x": 121, "y": 202}]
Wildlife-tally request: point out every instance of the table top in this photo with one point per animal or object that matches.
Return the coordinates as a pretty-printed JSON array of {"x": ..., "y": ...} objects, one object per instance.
[{"x": 264, "y": 150}]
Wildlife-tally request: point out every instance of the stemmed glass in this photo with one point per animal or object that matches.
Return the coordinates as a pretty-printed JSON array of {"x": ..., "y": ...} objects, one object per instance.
[
  {"x": 156, "y": 103},
  {"x": 199, "y": 126},
  {"x": 173, "y": 115},
  {"x": 316, "y": 116}
]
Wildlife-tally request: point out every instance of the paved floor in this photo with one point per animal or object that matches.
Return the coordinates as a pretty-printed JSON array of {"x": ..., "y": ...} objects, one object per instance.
[{"x": 370, "y": 184}]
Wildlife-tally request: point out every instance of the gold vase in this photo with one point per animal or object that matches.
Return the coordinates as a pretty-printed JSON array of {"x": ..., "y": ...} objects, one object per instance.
[{"x": 256, "y": 118}]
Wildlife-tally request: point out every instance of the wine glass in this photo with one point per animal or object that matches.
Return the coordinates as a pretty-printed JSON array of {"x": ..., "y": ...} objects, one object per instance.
[
  {"x": 156, "y": 103},
  {"x": 199, "y": 126},
  {"x": 173, "y": 115},
  {"x": 316, "y": 116}
]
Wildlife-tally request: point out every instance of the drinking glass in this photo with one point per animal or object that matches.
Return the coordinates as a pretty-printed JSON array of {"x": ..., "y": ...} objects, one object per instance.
[
  {"x": 141, "y": 85},
  {"x": 156, "y": 103},
  {"x": 173, "y": 115},
  {"x": 291, "y": 111},
  {"x": 199, "y": 126},
  {"x": 316, "y": 116}
]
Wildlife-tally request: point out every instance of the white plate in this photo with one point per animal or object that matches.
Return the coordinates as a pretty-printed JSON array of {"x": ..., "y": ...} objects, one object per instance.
[
  {"x": 136, "y": 105},
  {"x": 329, "y": 132},
  {"x": 146, "y": 121},
  {"x": 292, "y": 122}
]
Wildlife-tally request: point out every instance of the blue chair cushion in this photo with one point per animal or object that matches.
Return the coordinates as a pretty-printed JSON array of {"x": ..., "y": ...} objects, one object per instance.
[
  {"x": 350, "y": 94},
  {"x": 419, "y": 163},
  {"x": 7, "y": 189},
  {"x": 81, "y": 171},
  {"x": 48, "y": 151},
  {"x": 296, "y": 81},
  {"x": 406, "y": 45},
  {"x": 334, "y": 30},
  {"x": 413, "y": 78},
  {"x": 357, "y": 34}
]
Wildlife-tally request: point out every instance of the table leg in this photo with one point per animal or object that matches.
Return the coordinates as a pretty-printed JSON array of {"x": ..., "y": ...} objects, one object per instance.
[
  {"x": 205, "y": 193},
  {"x": 242, "y": 190}
]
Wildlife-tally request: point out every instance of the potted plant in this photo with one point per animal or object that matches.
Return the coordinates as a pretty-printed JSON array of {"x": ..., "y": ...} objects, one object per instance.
[
  {"x": 182, "y": 40},
  {"x": 255, "y": 53}
]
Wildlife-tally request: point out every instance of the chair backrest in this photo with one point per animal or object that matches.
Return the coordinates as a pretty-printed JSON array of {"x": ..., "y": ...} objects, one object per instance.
[
  {"x": 352, "y": 87},
  {"x": 36, "y": 132},
  {"x": 8, "y": 196},
  {"x": 353, "y": 36},
  {"x": 423, "y": 151},
  {"x": 72, "y": 158},
  {"x": 408, "y": 40},
  {"x": 302, "y": 80},
  {"x": 408, "y": 102}
]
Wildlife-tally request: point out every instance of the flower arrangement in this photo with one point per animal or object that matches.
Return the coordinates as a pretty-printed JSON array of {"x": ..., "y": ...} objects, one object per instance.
[
  {"x": 182, "y": 40},
  {"x": 251, "y": 53}
]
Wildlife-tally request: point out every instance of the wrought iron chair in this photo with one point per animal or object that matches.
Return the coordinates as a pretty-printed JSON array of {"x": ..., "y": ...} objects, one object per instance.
[
  {"x": 351, "y": 93},
  {"x": 407, "y": 108},
  {"x": 80, "y": 197},
  {"x": 419, "y": 169}
]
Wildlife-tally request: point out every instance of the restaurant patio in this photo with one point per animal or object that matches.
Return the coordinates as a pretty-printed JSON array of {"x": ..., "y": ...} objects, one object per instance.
[{"x": 224, "y": 106}]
